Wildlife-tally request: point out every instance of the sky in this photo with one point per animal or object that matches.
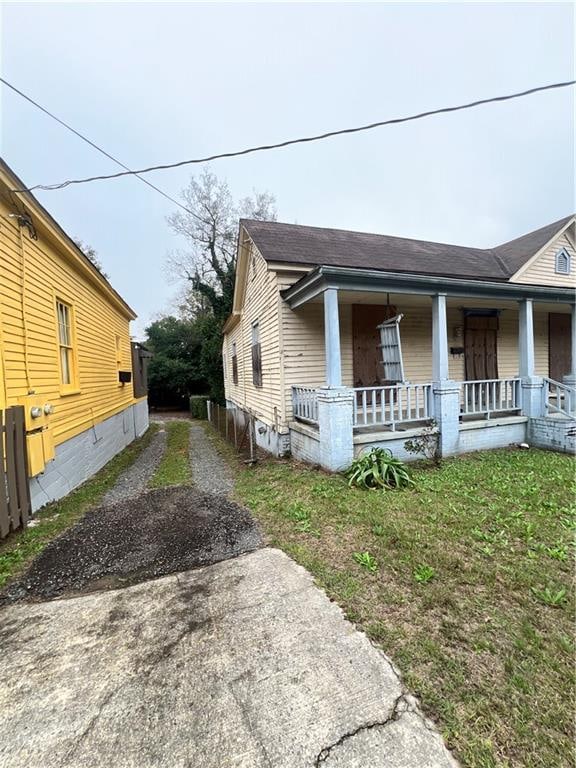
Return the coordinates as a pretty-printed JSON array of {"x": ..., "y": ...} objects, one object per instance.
[{"x": 160, "y": 82}]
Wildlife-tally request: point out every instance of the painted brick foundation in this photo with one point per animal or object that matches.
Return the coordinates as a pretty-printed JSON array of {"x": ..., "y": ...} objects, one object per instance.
[
  {"x": 81, "y": 457},
  {"x": 552, "y": 433},
  {"x": 305, "y": 443}
]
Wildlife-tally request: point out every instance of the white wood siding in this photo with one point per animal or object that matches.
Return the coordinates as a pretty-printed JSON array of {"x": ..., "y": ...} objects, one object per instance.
[
  {"x": 543, "y": 270},
  {"x": 260, "y": 304}
]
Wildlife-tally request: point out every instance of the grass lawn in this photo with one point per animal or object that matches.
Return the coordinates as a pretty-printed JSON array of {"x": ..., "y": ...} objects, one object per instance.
[
  {"x": 467, "y": 585},
  {"x": 21, "y": 547},
  {"x": 174, "y": 469}
]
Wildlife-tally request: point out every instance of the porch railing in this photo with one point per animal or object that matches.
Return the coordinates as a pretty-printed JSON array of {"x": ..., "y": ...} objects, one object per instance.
[
  {"x": 305, "y": 404},
  {"x": 559, "y": 398},
  {"x": 392, "y": 405},
  {"x": 489, "y": 396}
]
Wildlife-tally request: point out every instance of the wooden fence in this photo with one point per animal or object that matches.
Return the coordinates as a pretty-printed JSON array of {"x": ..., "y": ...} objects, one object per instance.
[
  {"x": 238, "y": 427},
  {"x": 15, "y": 507}
]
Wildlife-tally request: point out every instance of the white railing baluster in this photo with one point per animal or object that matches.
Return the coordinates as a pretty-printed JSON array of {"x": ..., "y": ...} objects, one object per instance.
[
  {"x": 489, "y": 396},
  {"x": 559, "y": 399}
]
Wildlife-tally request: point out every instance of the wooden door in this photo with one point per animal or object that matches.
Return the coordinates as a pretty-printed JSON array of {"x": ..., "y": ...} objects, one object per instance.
[
  {"x": 366, "y": 342},
  {"x": 559, "y": 345},
  {"x": 480, "y": 348}
]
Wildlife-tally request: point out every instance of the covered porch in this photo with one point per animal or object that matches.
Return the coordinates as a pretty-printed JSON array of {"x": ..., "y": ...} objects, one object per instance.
[{"x": 475, "y": 356}]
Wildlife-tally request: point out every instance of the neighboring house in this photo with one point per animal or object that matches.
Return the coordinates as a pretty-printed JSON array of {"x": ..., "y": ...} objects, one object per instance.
[
  {"x": 65, "y": 351},
  {"x": 483, "y": 349}
]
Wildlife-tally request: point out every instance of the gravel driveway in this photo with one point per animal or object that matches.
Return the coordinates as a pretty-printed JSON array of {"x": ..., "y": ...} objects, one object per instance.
[
  {"x": 209, "y": 470},
  {"x": 159, "y": 532},
  {"x": 135, "y": 479}
]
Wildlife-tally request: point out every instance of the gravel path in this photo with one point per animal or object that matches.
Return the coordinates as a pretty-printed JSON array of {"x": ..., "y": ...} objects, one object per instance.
[
  {"x": 210, "y": 473},
  {"x": 134, "y": 480}
]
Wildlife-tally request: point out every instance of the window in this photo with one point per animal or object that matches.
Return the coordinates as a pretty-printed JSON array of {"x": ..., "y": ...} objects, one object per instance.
[
  {"x": 66, "y": 345},
  {"x": 234, "y": 364},
  {"x": 256, "y": 356},
  {"x": 563, "y": 262},
  {"x": 391, "y": 350}
]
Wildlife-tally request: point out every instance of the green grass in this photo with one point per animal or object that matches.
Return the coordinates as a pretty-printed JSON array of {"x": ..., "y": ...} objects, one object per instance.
[
  {"x": 471, "y": 593},
  {"x": 21, "y": 547},
  {"x": 174, "y": 469}
]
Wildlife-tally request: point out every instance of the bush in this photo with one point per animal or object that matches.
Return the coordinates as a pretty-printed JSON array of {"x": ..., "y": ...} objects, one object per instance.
[
  {"x": 198, "y": 409},
  {"x": 378, "y": 469}
]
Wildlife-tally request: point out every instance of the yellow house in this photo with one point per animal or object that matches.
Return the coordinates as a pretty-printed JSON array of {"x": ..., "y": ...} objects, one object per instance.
[
  {"x": 65, "y": 350},
  {"x": 341, "y": 340}
]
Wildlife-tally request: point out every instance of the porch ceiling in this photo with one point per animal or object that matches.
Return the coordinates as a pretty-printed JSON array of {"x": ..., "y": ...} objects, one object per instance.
[{"x": 372, "y": 283}]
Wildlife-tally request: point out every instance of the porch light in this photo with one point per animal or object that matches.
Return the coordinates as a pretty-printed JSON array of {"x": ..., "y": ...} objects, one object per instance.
[{"x": 458, "y": 332}]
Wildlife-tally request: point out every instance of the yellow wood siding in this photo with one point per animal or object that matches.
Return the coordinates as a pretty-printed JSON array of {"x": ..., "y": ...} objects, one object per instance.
[
  {"x": 33, "y": 274},
  {"x": 543, "y": 270}
]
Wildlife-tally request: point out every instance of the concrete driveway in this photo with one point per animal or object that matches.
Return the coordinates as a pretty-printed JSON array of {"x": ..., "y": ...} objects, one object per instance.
[{"x": 243, "y": 664}]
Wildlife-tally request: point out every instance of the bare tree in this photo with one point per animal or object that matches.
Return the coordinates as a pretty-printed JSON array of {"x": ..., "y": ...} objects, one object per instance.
[{"x": 211, "y": 229}]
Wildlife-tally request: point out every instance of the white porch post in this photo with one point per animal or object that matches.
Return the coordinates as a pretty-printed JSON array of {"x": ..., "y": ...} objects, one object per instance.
[
  {"x": 335, "y": 402},
  {"x": 446, "y": 393},
  {"x": 532, "y": 385},
  {"x": 570, "y": 379},
  {"x": 332, "y": 339},
  {"x": 526, "y": 338},
  {"x": 439, "y": 338}
]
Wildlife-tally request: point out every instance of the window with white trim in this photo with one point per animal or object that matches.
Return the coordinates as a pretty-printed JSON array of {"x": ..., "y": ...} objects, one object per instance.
[
  {"x": 391, "y": 348},
  {"x": 256, "y": 355},
  {"x": 234, "y": 364},
  {"x": 563, "y": 262}
]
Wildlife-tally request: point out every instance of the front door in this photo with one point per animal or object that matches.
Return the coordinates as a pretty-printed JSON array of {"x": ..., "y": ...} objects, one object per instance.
[
  {"x": 367, "y": 357},
  {"x": 559, "y": 345},
  {"x": 480, "y": 350}
]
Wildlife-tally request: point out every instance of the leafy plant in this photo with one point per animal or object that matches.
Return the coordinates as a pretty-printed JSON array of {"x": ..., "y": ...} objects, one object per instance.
[
  {"x": 426, "y": 444},
  {"x": 423, "y": 574},
  {"x": 378, "y": 469},
  {"x": 554, "y": 597},
  {"x": 378, "y": 530},
  {"x": 366, "y": 560}
]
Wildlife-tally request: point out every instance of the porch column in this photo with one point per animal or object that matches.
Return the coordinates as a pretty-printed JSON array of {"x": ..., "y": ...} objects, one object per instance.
[
  {"x": 532, "y": 385},
  {"x": 332, "y": 339},
  {"x": 570, "y": 378},
  {"x": 446, "y": 393},
  {"x": 335, "y": 402},
  {"x": 526, "y": 338},
  {"x": 439, "y": 338}
]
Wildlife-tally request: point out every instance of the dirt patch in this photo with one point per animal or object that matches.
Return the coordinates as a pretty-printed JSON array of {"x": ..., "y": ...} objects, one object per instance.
[{"x": 159, "y": 532}]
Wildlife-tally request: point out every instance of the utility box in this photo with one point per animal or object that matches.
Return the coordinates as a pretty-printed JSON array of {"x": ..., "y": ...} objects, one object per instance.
[{"x": 39, "y": 433}]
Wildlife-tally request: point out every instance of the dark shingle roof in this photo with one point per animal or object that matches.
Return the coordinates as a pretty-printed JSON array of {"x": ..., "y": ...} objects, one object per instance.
[
  {"x": 314, "y": 246},
  {"x": 516, "y": 252}
]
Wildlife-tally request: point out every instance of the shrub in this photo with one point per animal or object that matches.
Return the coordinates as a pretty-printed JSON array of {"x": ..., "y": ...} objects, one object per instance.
[
  {"x": 378, "y": 469},
  {"x": 198, "y": 408}
]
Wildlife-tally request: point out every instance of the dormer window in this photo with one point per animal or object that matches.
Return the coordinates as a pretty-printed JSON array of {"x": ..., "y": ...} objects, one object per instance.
[{"x": 563, "y": 262}]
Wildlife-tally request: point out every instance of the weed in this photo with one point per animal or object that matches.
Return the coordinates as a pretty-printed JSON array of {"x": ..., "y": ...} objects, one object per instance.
[
  {"x": 555, "y": 597},
  {"x": 423, "y": 574},
  {"x": 366, "y": 560}
]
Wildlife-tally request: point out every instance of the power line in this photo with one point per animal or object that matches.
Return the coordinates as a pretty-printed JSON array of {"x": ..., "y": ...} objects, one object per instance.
[
  {"x": 96, "y": 147},
  {"x": 303, "y": 140}
]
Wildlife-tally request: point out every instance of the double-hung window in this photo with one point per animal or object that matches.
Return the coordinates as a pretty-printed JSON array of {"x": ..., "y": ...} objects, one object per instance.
[
  {"x": 256, "y": 356},
  {"x": 234, "y": 364},
  {"x": 68, "y": 377}
]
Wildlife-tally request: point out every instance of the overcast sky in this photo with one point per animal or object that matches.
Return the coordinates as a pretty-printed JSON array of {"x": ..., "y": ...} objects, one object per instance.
[{"x": 160, "y": 82}]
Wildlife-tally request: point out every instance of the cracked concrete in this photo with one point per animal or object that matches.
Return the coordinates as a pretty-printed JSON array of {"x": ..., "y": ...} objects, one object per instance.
[{"x": 241, "y": 664}]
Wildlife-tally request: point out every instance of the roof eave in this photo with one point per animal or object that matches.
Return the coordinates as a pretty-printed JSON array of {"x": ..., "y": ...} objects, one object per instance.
[{"x": 369, "y": 280}]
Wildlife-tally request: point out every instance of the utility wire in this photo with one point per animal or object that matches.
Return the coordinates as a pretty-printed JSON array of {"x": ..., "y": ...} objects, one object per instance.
[
  {"x": 96, "y": 147},
  {"x": 304, "y": 140}
]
